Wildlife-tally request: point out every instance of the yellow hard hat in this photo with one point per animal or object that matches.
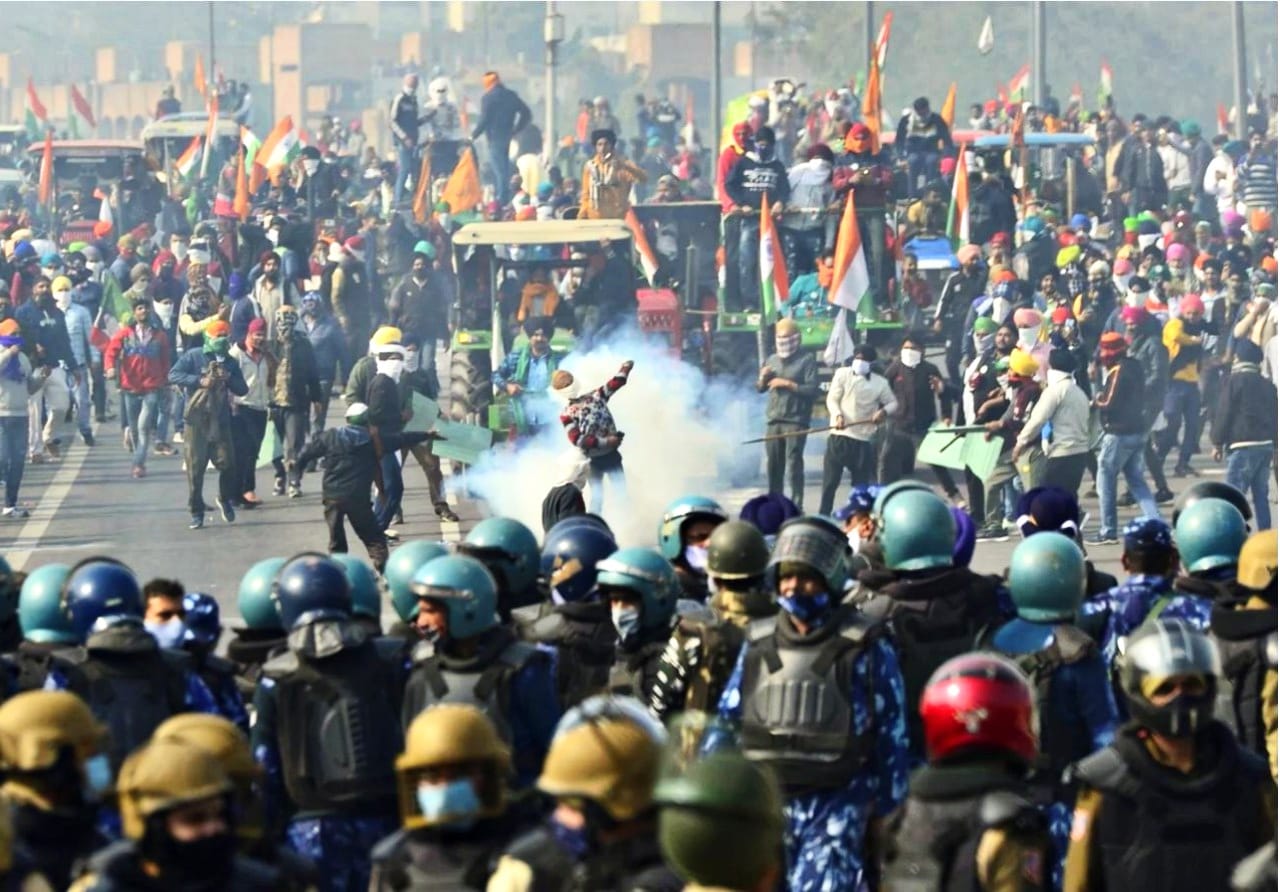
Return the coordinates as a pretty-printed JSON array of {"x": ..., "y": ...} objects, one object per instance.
[
  {"x": 387, "y": 334},
  {"x": 1257, "y": 567},
  {"x": 611, "y": 760},
  {"x": 163, "y": 775},
  {"x": 452, "y": 734}
]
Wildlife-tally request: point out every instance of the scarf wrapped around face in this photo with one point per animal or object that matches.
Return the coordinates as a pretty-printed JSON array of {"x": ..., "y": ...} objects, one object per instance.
[
  {"x": 786, "y": 345},
  {"x": 12, "y": 368}
]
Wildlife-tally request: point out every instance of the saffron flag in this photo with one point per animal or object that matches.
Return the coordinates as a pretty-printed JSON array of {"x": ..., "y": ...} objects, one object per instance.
[
  {"x": 871, "y": 105},
  {"x": 882, "y": 40},
  {"x": 1018, "y": 130},
  {"x": 37, "y": 116},
  {"x": 850, "y": 278},
  {"x": 948, "y": 112},
  {"x": 462, "y": 192},
  {"x": 46, "y": 169},
  {"x": 201, "y": 81},
  {"x": 422, "y": 191},
  {"x": 241, "y": 203},
  {"x": 1020, "y": 83},
  {"x": 987, "y": 37},
  {"x": 1104, "y": 84},
  {"x": 648, "y": 260},
  {"x": 1224, "y": 120},
  {"x": 958, "y": 215},
  {"x": 277, "y": 150},
  {"x": 773, "y": 267},
  {"x": 190, "y": 157},
  {"x": 83, "y": 122}
]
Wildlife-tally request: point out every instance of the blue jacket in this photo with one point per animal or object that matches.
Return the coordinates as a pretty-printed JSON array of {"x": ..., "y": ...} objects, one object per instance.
[
  {"x": 78, "y": 325},
  {"x": 1130, "y": 604},
  {"x": 45, "y": 326},
  {"x": 327, "y": 343},
  {"x": 502, "y": 115},
  {"x": 190, "y": 368}
]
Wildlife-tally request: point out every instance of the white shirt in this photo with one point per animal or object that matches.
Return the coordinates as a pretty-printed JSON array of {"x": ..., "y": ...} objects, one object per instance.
[
  {"x": 855, "y": 399},
  {"x": 1222, "y": 190}
]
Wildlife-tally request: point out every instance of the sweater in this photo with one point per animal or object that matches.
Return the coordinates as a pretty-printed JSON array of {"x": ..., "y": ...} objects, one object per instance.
[
  {"x": 351, "y": 459},
  {"x": 587, "y": 420},
  {"x": 142, "y": 367},
  {"x": 258, "y": 374},
  {"x": 855, "y": 399},
  {"x": 1246, "y": 410},
  {"x": 1121, "y": 399},
  {"x": 1064, "y": 405},
  {"x": 14, "y": 393},
  {"x": 787, "y": 406}
]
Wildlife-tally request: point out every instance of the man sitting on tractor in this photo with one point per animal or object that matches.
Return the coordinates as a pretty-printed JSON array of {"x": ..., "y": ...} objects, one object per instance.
[{"x": 525, "y": 376}]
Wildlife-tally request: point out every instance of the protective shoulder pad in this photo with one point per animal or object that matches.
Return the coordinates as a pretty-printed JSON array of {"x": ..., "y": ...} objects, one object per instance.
[
  {"x": 759, "y": 630},
  {"x": 220, "y": 665},
  {"x": 1105, "y": 770},
  {"x": 422, "y": 651},
  {"x": 1003, "y": 808},
  {"x": 860, "y": 628},
  {"x": 280, "y": 665},
  {"x": 390, "y": 650}
]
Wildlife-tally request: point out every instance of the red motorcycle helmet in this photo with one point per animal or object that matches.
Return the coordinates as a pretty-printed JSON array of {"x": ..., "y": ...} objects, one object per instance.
[{"x": 979, "y": 700}]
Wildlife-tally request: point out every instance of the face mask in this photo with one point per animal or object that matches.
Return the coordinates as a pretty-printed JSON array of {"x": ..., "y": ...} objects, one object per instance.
[
  {"x": 94, "y": 267},
  {"x": 696, "y": 557},
  {"x": 1027, "y": 337},
  {"x": 855, "y": 540},
  {"x": 273, "y": 236},
  {"x": 200, "y": 861},
  {"x": 861, "y": 367},
  {"x": 454, "y": 803},
  {"x": 168, "y": 634},
  {"x": 576, "y": 842},
  {"x": 1133, "y": 299},
  {"x": 911, "y": 358},
  {"x": 165, "y": 312},
  {"x": 1121, "y": 283},
  {"x": 180, "y": 251},
  {"x": 787, "y": 345},
  {"x": 983, "y": 343},
  {"x": 391, "y": 368},
  {"x": 411, "y": 360},
  {"x": 627, "y": 621},
  {"x": 62, "y": 299},
  {"x": 97, "y": 775},
  {"x": 219, "y": 346},
  {"x": 808, "y": 609}
]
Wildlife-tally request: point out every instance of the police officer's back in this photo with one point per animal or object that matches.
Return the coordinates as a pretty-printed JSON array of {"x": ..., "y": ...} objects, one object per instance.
[
  {"x": 262, "y": 636},
  {"x": 1175, "y": 802},
  {"x": 202, "y": 622},
  {"x": 969, "y": 821},
  {"x": 454, "y": 812},
  {"x": 45, "y": 626},
  {"x": 469, "y": 657},
  {"x": 1209, "y": 535}
]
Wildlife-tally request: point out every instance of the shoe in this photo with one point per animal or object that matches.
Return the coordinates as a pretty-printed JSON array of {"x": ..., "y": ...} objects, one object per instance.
[
  {"x": 17, "y": 512},
  {"x": 164, "y": 449},
  {"x": 1102, "y": 539},
  {"x": 139, "y": 472},
  {"x": 197, "y": 522},
  {"x": 444, "y": 512},
  {"x": 177, "y": 436},
  {"x": 1126, "y": 501},
  {"x": 54, "y": 449},
  {"x": 87, "y": 436},
  {"x": 278, "y": 489},
  {"x": 1164, "y": 497},
  {"x": 295, "y": 492},
  {"x": 250, "y": 500},
  {"x": 36, "y": 458},
  {"x": 392, "y": 535},
  {"x": 992, "y": 534},
  {"x": 228, "y": 512}
]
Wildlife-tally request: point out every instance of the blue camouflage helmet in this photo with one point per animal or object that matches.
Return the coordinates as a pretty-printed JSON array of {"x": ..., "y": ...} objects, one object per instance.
[
  {"x": 202, "y": 618},
  {"x": 1147, "y": 535},
  {"x": 1209, "y": 535},
  {"x": 814, "y": 542},
  {"x": 862, "y": 500},
  {"x": 680, "y": 512},
  {"x": 508, "y": 548},
  {"x": 570, "y": 557},
  {"x": 40, "y": 610},
  {"x": 311, "y": 588},
  {"x": 645, "y": 572},
  {"x": 465, "y": 588},
  {"x": 1047, "y": 577},
  {"x": 916, "y": 530},
  {"x": 253, "y": 598},
  {"x": 404, "y": 562},
  {"x": 366, "y": 592},
  {"x": 100, "y": 591}
]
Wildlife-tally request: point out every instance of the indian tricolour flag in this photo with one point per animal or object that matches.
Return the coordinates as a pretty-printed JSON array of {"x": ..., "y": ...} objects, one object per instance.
[
  {"x": 850, "y": 285},
  {"x": 252, "y": 145},
  {"x": 1020, "y": 85},
  {"x": 37, "y": 116},
  {"x": 82, "y": 120},
  {"x": 648, "y": 260},
  {"x": 279, "y": 148},
  {"x": 1105, "y": 88},
  {"x": 189, "y": 160},
  {"x": 773, "y": 267},
  {"x": 958, "y": 215}
]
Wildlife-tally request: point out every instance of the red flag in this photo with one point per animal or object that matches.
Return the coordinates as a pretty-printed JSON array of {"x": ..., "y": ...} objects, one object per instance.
[
  {"x": 46, "y": 169},
  {"x": 648, "y": 260},
  {"x": 37, "y": 107},
  {"x": 82, "y": 107},
  {"x": 1018, "y": 133}
]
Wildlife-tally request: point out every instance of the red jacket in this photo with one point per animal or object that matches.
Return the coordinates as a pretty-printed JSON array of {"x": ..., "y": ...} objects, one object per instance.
[
  {"x": 143, "y": 368},
  {"x": 729, "y": 156}
]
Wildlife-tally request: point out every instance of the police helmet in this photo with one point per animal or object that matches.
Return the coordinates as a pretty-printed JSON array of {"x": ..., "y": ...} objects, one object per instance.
[
  {"x": 452, "y": 734},
  {"x": 817, "y": 543},
  {"x": 403, "y": 563},
  {"x": 466, "y": 589},
  {"x": 1161, "y": 650},
  {"x": 916, "y": 530},
  {"x": 221, "y": 739},
  {"x": 40, "y": 610},
  {"x": 366, "y": 591},
  {"x": 680, "y": 512},
  {"x": 202, "y": 618},
  {"x": 38, "y": 727},
  {"x": 100, "y": 590},
  {"x": 1257, "y": 569},
  {"x": 737, "y": 550},
  {"x": 570, "y": 557},
  {"x": 1209, "y": 535},
  {"x": 253, "y": 599},
  {"x": 508, "y": 548},
  {"x": 1047, "y": 577},
  {"x": 163, "y": 775},
  {"x": 646, "y": 573},
  {"x": 310, "y": 588},
  {"x": 1212, "y": 489}
]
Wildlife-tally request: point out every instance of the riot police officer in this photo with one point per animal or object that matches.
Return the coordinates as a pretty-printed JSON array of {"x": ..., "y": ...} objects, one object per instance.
[
  {"x": 575, "y": 622},
  {"x": 366, "y": 592},
  {"x": 1174, "y": 803},
  {"x": 702, "y": 652},
  {"x": 720, "y": 824},
  {"x": 1244, "y": 628},
  {"x": 10, "y": 586},
  {"x": 601, "y": 771},
  {"x": 683, "y": 532},
  {"x": 843, "y": 766},
  {"x": 452, "y": 780},
  {"x": 45, "y": 628},
  {"x": 258, "y": 823},
  {"x": 403, "y": 563},
  {"x": 53, "y": 754},
  {"x": 1213, "y": 489},
  {"x": 328, "y": 724},
  {"x": 202, "y": 619},
  {"x": 1209, "y": 535},
  {"x": 175, "y": 803},
  {"x": 970, "y": 821},
  {"x": 468, "y": 657},
  {"x": 262, "y": 636},
  {"x": 641, "y": 589},
  {"x": 509, "y": 550},
  {"x": 130, "y": 683},
  {"x": 934, "y": 609}
]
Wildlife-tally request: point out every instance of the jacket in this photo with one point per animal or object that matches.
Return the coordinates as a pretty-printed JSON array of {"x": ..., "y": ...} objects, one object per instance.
[
  {"x": 421, "y": 308},
  {"x": 328, "y": 346},
  {"x": 258, "y": 374},
  {"x": 606, "y": 187},
  {"x": 855, "y": 399},
  {"x": 1184, "y": 342},
  {"x": 1064, "y": 405},
  {"x": 812, "y": 192},
  {"x": 1121, "y": 397},
  {"x": 917, "y": 407},
  {"x": 350, "y": 459},
  {"x": 15, "y": 393},
  {"x": 788, "y": 406},
  {"x": 190, "y": 368},
  {"x": 404, "y": 117},
  {"x": 44, "y": 332},
  {"x": 502, "y": 115},
  {"x": 301, "y": 385},
  {"x": 1246, "y": 410},
  {"x": 79, "y": 323},
  {"x": 143, "y": 368},
  {"x": 1154, "y": 360},
  {"x": 752, "y": 178}
]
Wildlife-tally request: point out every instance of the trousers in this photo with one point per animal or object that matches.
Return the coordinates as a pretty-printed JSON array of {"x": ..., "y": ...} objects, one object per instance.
[
  {"x": 784, "y": 459},
  {"x": 360, "y": 514}
]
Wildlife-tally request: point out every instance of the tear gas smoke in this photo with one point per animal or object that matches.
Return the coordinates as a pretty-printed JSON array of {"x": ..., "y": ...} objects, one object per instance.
[{"x": 683, "y": 435}]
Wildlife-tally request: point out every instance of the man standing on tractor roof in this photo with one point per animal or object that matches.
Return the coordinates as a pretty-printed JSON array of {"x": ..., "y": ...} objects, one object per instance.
[{"x": 607, "y": 179}]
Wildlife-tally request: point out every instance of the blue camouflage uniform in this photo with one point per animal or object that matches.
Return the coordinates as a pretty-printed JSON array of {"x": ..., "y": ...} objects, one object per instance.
[
  {"x": 230, "y": 703},
  {"x": 826, "y": 831},
  {"x": 198, "y": 696}
]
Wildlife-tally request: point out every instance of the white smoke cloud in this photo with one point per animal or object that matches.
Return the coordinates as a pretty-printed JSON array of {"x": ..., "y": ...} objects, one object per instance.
[{"x": 683, "y": 436}]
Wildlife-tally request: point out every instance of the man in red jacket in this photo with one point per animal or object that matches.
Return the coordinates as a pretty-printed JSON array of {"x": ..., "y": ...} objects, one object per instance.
[
  {"x": 729, "y": 158},
  {"x": 139, "y": 352}
]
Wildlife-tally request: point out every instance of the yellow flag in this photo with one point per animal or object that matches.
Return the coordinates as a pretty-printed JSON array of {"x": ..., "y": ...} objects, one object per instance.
[
  {"x": 462, "y": 192},
  {"x": 948, "y": 112}
]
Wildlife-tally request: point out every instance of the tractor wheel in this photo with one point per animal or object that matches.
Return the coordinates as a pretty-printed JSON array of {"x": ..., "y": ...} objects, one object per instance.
[
  {"x": 733, "y": 355},
  {"x": 470, "y": 387}
]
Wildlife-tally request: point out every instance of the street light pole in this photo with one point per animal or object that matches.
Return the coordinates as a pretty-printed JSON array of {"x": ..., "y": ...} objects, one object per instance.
[
  {"x": 553, "y": 35},
  {"x": 714, "y": 140},
  {"x": 1239, "y": 73},
  {"x": 1037, "y": 53},
  {"x": 869, "y": 31}
]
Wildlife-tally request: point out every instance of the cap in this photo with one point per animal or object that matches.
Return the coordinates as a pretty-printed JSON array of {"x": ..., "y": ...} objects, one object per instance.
[
  {"x": 1147, "y": 534},
  {"x": 1112, "y": 342},
  {"x": 356, "y": 410}
]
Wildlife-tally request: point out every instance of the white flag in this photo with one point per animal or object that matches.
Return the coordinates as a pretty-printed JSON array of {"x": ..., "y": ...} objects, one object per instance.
[
  {"x": 840, "y": 345},
  {"x": 987, "y": 39}
]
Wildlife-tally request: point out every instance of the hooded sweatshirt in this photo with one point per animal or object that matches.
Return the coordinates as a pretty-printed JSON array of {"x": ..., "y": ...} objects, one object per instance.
[{"x": 811, "y": 190}]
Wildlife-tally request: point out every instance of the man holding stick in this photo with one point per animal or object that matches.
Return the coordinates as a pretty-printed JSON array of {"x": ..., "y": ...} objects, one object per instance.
[
  {"x": 858, "y": 402},
  {"x": 791, "y": 377}
]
